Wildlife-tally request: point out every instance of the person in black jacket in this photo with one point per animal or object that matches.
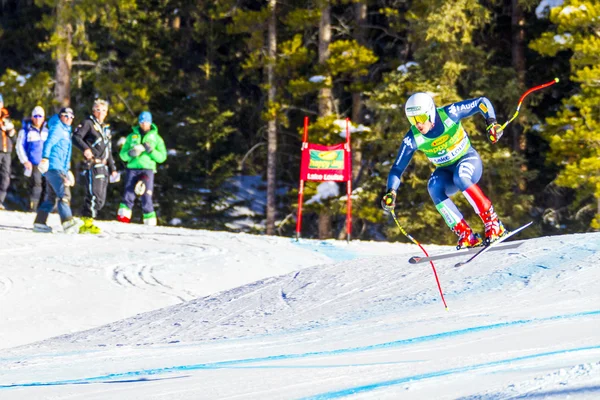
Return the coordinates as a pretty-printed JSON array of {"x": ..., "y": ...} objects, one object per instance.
[{"x": 93, "y": 138}]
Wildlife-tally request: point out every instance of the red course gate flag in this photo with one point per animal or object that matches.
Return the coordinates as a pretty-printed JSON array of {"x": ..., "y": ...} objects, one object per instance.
[{"x": 322, "y": 163}]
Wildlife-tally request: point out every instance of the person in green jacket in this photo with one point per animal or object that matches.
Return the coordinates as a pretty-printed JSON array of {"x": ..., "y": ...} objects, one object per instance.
[{"x": 143, "y": 149}]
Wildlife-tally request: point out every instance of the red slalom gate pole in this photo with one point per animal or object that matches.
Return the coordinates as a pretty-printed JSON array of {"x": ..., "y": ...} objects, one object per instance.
[
  {"x": 301, "y": 185},
  {"x": 348, "y": 186},
  {"x": 426, "y": 254}
]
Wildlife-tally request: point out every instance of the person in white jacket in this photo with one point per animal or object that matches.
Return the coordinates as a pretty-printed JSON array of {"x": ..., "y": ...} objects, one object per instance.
[{"x": 30, "y": 142}]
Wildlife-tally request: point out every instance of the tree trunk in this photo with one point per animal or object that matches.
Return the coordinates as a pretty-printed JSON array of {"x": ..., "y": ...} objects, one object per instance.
[
  {"x": 518, "y": 62},
  {"x": 272, "y": 122},
  {"x": 325, "y": 94},
  {"x": 64, "y": 59},
  {"x": 325, "y": 231},
  {"x": 360, "y": 10},
  {"x": 325, "y": 103},
  {"x": 518, "y": 41}
]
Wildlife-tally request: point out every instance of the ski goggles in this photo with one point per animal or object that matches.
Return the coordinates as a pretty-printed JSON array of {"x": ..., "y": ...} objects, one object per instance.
[{"x": 422, "y": 118}]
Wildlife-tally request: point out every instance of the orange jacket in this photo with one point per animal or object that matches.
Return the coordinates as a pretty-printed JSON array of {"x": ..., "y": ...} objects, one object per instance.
[{"x": 8, "y": 130}]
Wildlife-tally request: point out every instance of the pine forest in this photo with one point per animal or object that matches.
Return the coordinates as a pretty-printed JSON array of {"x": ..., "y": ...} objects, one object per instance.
[{"x": 229, "y": 83}]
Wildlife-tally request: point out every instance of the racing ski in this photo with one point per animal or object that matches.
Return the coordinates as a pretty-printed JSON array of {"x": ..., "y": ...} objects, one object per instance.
[
  {"x": 461, "y": 252},
  {"x": 493, "y": 245}
]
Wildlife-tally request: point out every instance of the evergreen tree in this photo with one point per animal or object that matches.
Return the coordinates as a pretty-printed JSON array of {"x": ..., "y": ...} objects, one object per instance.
[
  {"x": 451, "y": 64},
  {"x": 226, "y": 105},
  {"x": 573, "y": 133}
]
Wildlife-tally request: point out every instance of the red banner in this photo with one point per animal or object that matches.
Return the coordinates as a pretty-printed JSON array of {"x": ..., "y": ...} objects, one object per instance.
[{"x": 326, "y": 163}]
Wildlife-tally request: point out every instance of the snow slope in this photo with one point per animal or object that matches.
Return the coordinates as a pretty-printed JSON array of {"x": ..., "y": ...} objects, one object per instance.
[{"x": 170, "y": 313}]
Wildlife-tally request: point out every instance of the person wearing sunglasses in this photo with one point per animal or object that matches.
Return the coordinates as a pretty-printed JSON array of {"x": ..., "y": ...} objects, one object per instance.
[
  {"x": 56, "y": 167},
  {"x": 439, "y": 134},
  {"x": 93, "y": 137},
  {"x": 30, "y": 142}
]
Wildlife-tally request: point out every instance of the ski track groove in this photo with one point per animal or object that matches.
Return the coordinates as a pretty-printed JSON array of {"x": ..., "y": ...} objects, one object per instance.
[
  {"x": 120, "y": 278},
  {"x": 228, "y": 315},
  {"x": 283, "y": 297},
  {"x": 6, "y": 284},
  {"x": 144, "y": 276}
]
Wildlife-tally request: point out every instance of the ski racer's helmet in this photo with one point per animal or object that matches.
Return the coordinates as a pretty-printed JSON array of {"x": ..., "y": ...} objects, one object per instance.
[{"x": 420, "y": 108}]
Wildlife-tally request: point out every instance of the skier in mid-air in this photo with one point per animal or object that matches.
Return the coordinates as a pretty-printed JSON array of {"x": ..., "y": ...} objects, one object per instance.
[{"x": 439, "y": 134}]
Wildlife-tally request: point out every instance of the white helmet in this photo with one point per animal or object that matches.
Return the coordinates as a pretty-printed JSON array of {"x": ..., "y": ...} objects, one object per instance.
[{"x": 417, "y": 105}]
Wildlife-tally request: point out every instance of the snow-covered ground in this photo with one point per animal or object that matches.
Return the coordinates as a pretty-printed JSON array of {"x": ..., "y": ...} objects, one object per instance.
[{"x": 171, "y": 313}]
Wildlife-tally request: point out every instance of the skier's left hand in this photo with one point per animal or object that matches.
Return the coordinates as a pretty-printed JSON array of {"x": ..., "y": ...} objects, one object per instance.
[
  {"x": 149, "y": 149},
  {"x": 494, "y": 130},
  {"x": 388, "y": 201}
]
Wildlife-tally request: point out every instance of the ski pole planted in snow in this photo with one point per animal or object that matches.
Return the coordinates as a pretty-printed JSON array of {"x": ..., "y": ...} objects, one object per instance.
[{"x": 426, "y": 254}]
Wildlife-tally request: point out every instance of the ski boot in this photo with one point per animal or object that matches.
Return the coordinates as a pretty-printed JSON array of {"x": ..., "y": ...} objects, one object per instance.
[
  {"x": 494, "y": 229},
  {"x": 150, "y": 219},
  {"x": 41, "y": 228},
  {"x": 89, "y": 227},
  {"x": 71, "y": 226},
  {"x": 124, "y": 214},
  {"x": 466, "y": 237},
  {"x": 40, "y": 224}
]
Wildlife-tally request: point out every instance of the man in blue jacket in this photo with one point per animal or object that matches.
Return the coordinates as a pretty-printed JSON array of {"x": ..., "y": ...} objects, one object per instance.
[
  {"x": 55, "y": 165},
  {"x": 30, "y": 143}
]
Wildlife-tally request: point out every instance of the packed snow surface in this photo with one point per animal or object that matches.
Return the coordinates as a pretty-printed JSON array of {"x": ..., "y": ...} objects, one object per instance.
[{"x": 170, "y": 313}]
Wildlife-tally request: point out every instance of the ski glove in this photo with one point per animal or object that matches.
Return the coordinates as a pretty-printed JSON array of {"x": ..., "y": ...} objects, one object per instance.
[
  {"x": 494, "y": 130},
  {"x": 149, "y": 149},
  {"x": 388, "y": 201},
  {"x": 136, "y": 150},
  {"x": 43, "y": 166}
]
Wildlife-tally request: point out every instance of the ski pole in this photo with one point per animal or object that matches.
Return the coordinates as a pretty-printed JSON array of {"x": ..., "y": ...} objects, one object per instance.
[
  {"x": 424, "y": 251},
  {"x": 533, "y": 89}
]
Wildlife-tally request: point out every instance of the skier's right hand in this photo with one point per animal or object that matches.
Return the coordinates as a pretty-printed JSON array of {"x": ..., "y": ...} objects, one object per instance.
[
  {"x": 388, "y": 201},
  {"x": 148, "y": 147}
]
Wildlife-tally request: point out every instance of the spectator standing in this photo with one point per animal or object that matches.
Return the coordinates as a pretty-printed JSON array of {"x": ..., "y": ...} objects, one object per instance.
[
  {"x": 30, "y": 143},
  {"x": 93, "y": 138},
  {"x": 7, "y": 131},
  {"x": 143, "y": 149},
  {"x": 55, "y": 165}
]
